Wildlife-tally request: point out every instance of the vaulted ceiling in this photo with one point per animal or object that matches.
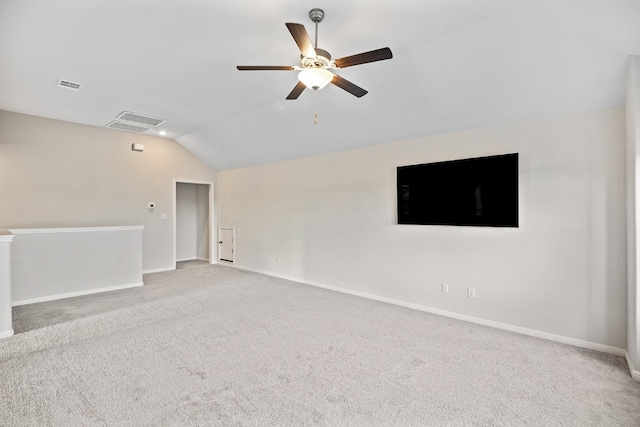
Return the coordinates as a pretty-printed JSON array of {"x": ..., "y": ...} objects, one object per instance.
[{"x": 458, "y": 64}]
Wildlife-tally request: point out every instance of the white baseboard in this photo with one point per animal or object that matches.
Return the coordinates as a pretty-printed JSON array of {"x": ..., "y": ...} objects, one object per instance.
[
  {"x": 164, "y": 269},
  {"x": 635, "y": 374},
  {"x": 158, "y": 270},
  {"x": 6, "y": 334},
  {"x": 193, "y": 259},
  {"x": 499, "y": 325},
  {"x": 75, "y": 294}
]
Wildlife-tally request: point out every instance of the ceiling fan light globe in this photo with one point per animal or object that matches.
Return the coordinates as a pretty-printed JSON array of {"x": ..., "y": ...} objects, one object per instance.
[{"x": 315, "y": 78}]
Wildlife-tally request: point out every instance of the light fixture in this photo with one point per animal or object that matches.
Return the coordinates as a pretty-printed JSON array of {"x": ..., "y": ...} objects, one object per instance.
[
  {"x": 315, "y": 78},
  {"x": 162, "y": 132}
]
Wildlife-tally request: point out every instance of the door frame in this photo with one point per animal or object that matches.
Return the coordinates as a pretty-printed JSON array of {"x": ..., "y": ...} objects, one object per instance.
[{"x": 212, "y": 220}]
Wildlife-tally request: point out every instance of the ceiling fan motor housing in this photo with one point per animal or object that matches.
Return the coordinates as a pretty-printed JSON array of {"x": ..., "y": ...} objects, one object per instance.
[{"x": 322, "y": 60}]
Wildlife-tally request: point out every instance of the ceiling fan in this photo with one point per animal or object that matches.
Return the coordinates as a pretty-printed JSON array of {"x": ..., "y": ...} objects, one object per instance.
[{"x": 315, "y": 63}]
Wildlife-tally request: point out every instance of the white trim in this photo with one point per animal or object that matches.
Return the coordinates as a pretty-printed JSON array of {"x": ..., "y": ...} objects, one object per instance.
[
  {"x": 158, "y": 270},
  {"x": 633, "y": 372},
  {"x": 498, "y": 325},
  {"x": 192, "y": 259},
  {"x": 73, "y": 230},
  {"x": 75, "y": 294},
  {"x": 6, "y": 334},
  {"x": 6, "y": 236}
]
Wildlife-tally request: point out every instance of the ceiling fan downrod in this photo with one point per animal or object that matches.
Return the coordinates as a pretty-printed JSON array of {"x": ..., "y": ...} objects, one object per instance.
[{"x": 316, "y": 15}]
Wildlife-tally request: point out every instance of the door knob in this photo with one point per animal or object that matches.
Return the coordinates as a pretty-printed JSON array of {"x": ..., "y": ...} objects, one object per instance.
[{"x": 220, "y": 242}]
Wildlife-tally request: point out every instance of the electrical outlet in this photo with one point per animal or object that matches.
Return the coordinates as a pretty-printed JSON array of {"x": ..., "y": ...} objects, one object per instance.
[
  {"x": 472, "y": 292},
  {"x": 445, "y": 288}
]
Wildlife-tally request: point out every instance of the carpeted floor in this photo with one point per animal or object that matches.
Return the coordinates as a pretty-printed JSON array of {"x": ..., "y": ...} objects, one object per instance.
[{"x": 215, "y": 346}]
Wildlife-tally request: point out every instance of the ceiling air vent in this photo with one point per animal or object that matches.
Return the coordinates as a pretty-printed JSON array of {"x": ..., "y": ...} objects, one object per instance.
[
  {"x": 139, "y": 118},
  {"x": 68, "y": 84},
  {"x": 128, "y": 127}
]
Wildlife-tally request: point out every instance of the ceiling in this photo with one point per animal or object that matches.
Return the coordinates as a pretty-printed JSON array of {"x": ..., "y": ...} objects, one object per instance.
[{"x": 458, "y": 64}]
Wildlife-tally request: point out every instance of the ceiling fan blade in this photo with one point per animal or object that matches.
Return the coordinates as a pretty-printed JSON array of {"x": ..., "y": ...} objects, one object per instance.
[
  {"x": 302, "y": 39},
  {"x": 348, "y": 86},
  {"x": 295, "y": 93},
  {"x": 363, "y": 58},
  {"x": 265, "y": 67}
]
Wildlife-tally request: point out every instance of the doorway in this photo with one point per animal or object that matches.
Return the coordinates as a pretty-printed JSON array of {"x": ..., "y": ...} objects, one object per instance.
[{"x": 193, "y": 226}]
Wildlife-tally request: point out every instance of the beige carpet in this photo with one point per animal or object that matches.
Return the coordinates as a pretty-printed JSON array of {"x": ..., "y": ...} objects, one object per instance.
[{"x": 211, "y": 345}]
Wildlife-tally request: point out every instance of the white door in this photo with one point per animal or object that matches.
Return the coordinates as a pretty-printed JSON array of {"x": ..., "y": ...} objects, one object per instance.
[{"x": 226, "y": 242}]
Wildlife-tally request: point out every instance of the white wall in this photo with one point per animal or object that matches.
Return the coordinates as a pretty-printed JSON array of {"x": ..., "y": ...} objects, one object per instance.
[
  {"x": 186, "y": 218},
  {"x": 55, "y": 263},
  {"x": 60, "y": 174},
  {"x": 331, "y": 220},
  {"x": 203, "y": 217},
  {"x": 192, "y": 221},
  {"x": 633, "y": 209}
]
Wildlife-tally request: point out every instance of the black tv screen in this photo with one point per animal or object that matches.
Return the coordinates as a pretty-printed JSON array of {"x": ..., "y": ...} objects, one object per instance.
[{"x": 479, "y": 192}]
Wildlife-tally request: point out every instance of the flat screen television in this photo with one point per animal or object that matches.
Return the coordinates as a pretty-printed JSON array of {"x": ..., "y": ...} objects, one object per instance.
[{"x": 480, "y": 192}]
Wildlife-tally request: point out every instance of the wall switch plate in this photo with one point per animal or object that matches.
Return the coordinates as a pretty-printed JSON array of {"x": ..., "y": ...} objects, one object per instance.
[
  {"x": 445, "y": 288},
  {"x": 472, "y": 292}
]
